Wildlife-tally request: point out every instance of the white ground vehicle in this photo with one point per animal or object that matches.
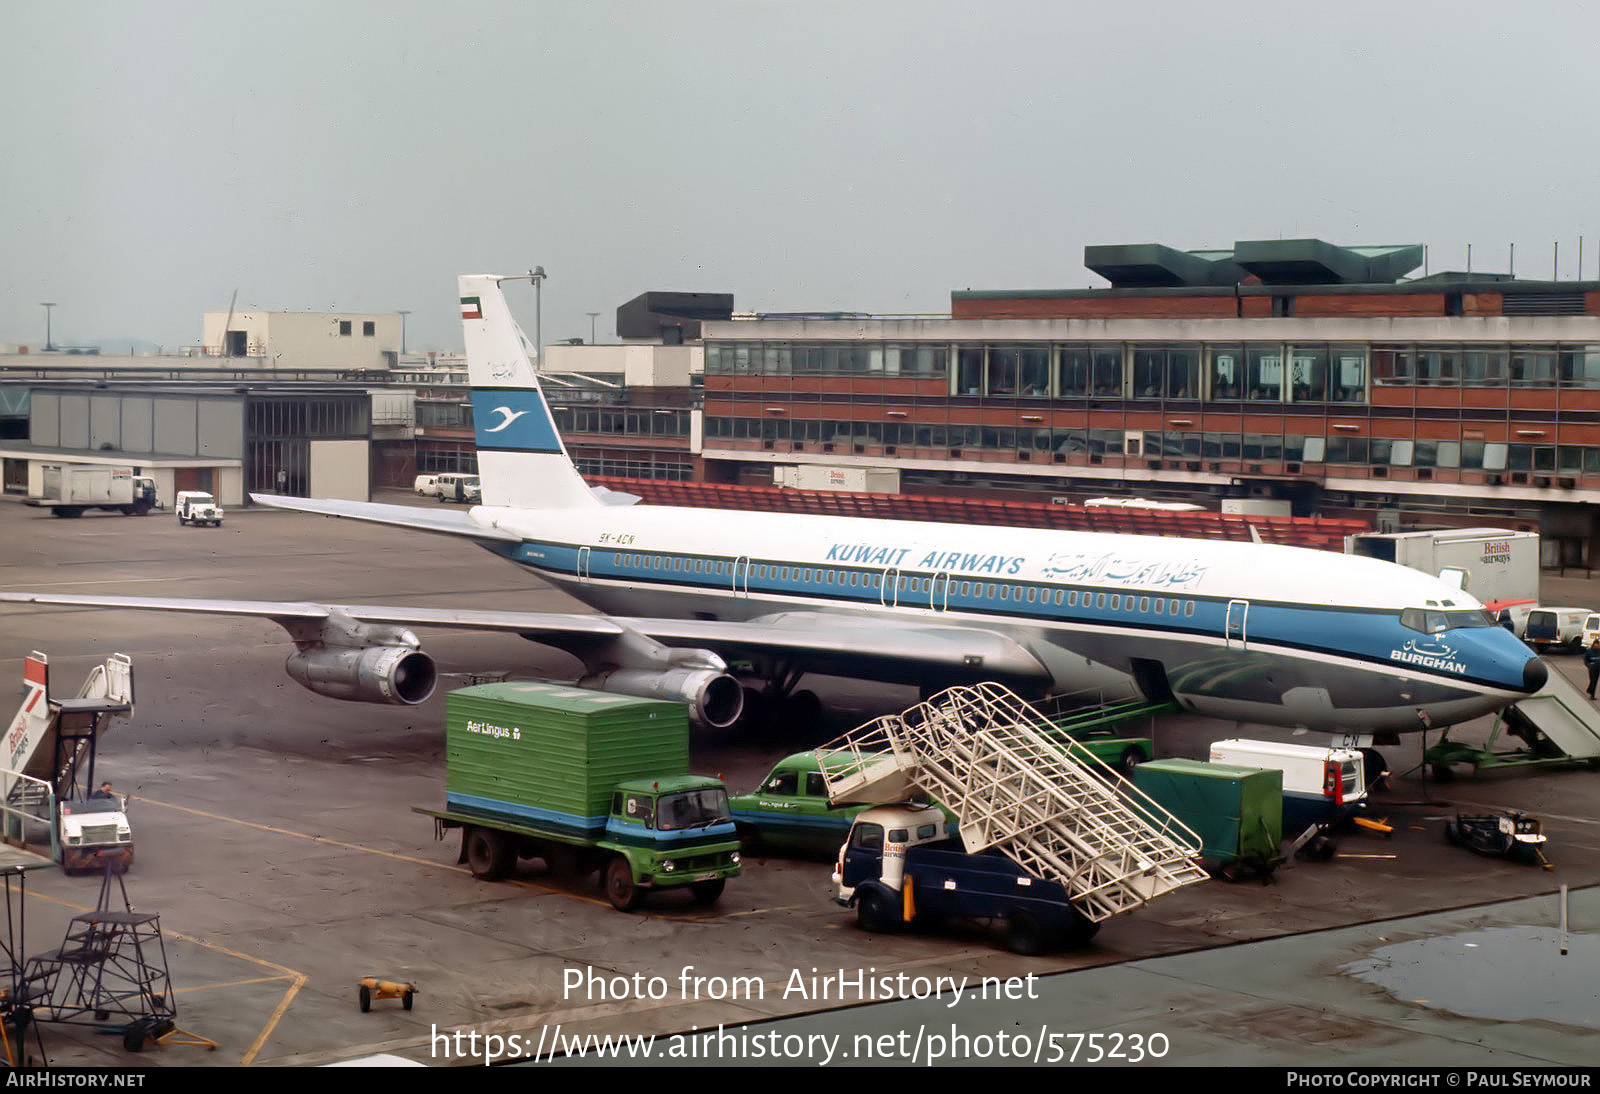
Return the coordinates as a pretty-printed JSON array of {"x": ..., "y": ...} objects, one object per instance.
[
  {"x": 68, "y": 490},
  {"x": 1591, "y": 629},
  {"x": 95, "y": 832},
  {"x": 457, "y": 487},
  {"x": 425, "y": 485},
  {"x": 196, "y": 507},
  {"x": 1556, "y": 627},
  {"x": 1497, "y": 565},
  {"x": 1320, "y": 785}
]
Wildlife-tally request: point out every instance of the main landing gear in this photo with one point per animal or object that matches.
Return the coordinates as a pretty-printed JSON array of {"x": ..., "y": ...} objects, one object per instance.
[{"x": 776, "y": 706}]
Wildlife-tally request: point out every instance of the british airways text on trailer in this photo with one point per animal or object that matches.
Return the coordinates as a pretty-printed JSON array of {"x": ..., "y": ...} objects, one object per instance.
[{"x": 1499, "y": 567}]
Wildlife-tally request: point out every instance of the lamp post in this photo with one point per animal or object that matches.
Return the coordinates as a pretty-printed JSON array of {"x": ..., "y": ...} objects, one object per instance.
[
  {"x": 403, "y": 314},
  {"x": 592, "y": 317},
  {"x": 49, "y": 346},
  {"x": 537, "y": 275}
]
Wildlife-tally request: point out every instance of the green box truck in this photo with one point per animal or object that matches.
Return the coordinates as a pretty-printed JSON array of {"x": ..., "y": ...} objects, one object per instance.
[{"x": 586, "y": 781}]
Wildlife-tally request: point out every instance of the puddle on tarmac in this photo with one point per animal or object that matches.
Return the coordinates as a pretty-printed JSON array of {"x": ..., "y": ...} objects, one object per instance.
[{"x": 1508, "y": 974}]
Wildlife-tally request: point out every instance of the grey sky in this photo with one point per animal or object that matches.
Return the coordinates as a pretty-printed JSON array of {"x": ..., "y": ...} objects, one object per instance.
[{"x": 869, "y": 155}]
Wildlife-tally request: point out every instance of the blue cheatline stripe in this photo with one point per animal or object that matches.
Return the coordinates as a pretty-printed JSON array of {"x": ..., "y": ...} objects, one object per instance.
[
  {"x": 585, "y": 826},
  {"x": 792, "y": 820},
  {"x": 1268, "y": 623},
  {"x": 513, "y": 420},
  {"x": 639, "y": 834}
]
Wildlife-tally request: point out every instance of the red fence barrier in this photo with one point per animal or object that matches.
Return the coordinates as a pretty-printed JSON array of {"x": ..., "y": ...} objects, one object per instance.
[{"x": 1322, "y": 533}]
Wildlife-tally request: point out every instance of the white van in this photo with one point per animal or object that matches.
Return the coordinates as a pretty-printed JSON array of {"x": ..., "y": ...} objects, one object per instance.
[
  {"x": 457, "y": 487},
  {"x": 1512, "y": 614},
  {"x": 1321, "y": 785},
  {"x": 1591, "y": 629},
  {"x": 1556, "y": 627}
]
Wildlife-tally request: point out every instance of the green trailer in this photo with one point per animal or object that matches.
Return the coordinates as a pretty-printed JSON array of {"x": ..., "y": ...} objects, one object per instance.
[
  {"x": 1236, "y": 811},
  {"x": 586, "y": 781}
]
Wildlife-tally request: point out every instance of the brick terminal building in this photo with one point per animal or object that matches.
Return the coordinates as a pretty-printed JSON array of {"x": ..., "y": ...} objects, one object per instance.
[{"x": 1285, "y": 369}]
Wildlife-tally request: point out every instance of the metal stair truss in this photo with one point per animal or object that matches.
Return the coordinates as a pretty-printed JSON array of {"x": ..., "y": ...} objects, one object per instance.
[
  {"x": 52, "y": 739},
  {"x": 1019, "y": 785}
]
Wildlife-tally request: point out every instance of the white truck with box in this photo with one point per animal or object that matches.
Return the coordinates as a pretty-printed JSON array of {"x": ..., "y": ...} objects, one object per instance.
[
  {"x": 70, "y": 490},
  {"x": 1498, "y": 566},
  {"x": 1322, "y": 786},
  {"x": 848, "y": 479}
]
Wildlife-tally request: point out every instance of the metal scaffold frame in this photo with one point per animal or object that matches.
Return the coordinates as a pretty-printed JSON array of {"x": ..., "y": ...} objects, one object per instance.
[{"x": 1019, "y": 786}]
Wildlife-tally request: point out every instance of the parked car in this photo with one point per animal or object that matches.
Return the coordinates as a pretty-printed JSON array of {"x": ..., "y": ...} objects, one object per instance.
[
  {"x": 197, "y": 507},
  {"x": 1591, "y": 629},
  {"x": 789, "y": 808},
  {"x": 1121, "y": 754},
  {"x": 426, "y": 486}
]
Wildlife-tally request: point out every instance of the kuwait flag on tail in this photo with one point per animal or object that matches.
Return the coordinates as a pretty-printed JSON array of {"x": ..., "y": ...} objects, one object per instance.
[{"x": 470, "y": 308}]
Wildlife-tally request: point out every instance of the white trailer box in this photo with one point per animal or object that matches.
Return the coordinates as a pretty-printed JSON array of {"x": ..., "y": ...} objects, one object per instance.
[
  {"x": 1258, "y": 507},
  {"x": 815, "y": 476},
  {"x": 69, "y": 489},
  {"x": 1321, "y": 785},
  {"x": 1501, "y": 566}
]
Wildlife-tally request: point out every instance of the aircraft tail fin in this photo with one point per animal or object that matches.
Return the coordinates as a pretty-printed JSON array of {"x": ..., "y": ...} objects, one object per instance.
[{"x": 522, "y": 463}]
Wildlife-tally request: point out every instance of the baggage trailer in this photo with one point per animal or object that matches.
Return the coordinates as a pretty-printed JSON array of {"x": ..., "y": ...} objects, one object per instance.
[{"x": 1236, "y": 811}]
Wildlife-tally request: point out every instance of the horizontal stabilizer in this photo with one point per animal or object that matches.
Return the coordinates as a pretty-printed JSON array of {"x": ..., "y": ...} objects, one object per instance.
[{"x": 450, "y": 522}]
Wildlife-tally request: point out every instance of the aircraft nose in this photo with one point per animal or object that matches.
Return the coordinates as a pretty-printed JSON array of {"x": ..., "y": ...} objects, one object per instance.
[{"x": 1534, "y": 674}]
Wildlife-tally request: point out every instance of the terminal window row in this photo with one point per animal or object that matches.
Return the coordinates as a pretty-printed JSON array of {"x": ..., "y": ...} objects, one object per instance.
[
  {"x": 1229, "y": 372},
  {"x": 1170, "y": 444}
]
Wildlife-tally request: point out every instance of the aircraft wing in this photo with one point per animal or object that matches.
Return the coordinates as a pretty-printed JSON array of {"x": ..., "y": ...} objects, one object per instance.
[
  {"x": 843, "y": 645},
  {"x": 531, "y": 623},
  {"x": 453, "y": 522},
  {"x": 811, "y": 641}
]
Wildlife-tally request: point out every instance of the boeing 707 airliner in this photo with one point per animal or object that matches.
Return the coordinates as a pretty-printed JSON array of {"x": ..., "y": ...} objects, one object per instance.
[{"x": 1279, "y": 635}]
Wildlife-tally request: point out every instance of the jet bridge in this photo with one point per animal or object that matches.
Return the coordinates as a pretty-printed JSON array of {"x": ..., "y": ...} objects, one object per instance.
[{"x": 1017, "y": 785}]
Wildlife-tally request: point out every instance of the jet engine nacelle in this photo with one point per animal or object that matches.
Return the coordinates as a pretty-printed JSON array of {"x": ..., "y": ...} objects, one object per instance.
[
  {"x": 370, "y": 674},
  {"x": 714, "y": 698}
]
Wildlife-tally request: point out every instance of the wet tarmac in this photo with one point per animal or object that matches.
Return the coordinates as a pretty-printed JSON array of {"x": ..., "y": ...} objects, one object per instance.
[
  {"x": 275, "y": 838},
  {"x": 1478, "y": 987}
]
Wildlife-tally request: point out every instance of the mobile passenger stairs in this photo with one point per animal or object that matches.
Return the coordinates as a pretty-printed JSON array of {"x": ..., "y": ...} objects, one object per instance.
[
  {"x": 1558, "y": 724},
  {"x": 1017, "y": 784},
  {"x": 111, "y": 966},
  {"x": 50, "y": 742}
]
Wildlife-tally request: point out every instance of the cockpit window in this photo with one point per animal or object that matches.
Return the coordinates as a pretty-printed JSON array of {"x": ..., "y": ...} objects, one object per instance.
[{"x": 1431, "y": 621}]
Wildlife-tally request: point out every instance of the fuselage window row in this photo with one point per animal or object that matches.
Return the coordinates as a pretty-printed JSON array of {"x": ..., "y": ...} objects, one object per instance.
[{"x": 952, "y": 590}]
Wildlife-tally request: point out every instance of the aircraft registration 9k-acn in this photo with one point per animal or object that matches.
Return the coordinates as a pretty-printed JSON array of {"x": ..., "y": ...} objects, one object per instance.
[{"x": 1279, "y": 635}]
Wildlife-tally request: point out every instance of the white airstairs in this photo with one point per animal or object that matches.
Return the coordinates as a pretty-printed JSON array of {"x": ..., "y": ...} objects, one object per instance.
[
  {"x": 50, "y": 738},
  {"x": 1031, "y": 793}
]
